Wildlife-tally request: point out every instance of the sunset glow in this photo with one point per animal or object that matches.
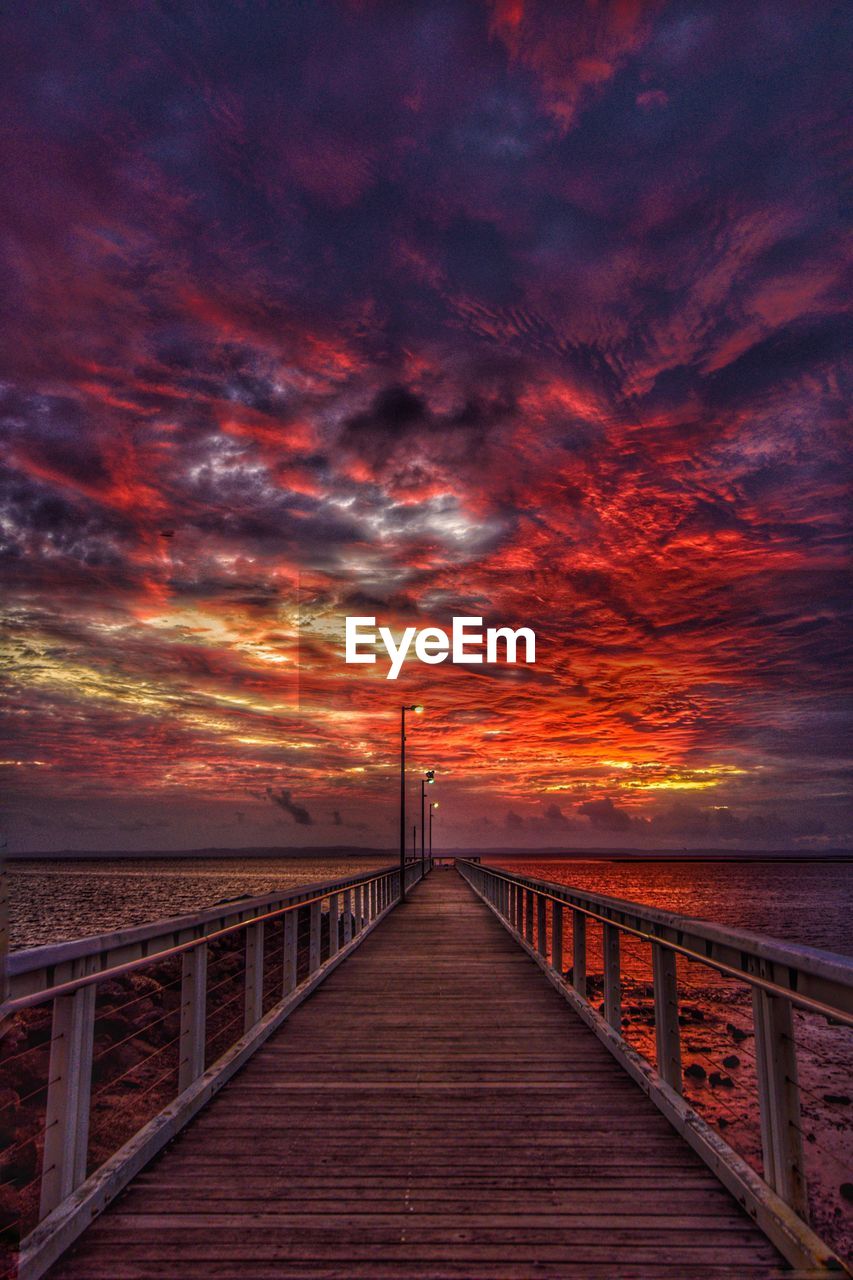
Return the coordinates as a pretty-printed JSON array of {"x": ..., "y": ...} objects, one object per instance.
[{"x": 510, "y": 310}]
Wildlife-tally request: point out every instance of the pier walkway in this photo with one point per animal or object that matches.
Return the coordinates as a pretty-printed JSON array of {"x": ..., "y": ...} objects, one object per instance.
[{"x": 434, "y": 1109}]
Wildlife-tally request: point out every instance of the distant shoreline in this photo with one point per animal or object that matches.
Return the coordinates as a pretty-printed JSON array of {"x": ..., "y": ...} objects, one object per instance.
[{"x": 390, "y": 855}]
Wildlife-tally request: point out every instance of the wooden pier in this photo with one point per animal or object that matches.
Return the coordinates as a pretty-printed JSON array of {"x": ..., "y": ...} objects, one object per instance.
[
  {"x": 351, "y": 1086},
  {"x": 434, "y": 1109}
]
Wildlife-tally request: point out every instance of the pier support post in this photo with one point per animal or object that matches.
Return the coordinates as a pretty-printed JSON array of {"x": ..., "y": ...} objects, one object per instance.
[
  {"x": 612, "y": 977},
  {"x": 334, "y": 917},
  {"x": 254, "y": 975},
  {"x": 193, "y": 1015},
  {"x": 557, "y": 937},
  {"x": 290, "y": 945},
  {"x": 542, "y": 924},
  {"x": 779, "y": 1099},
  {"x": 579, "y": 953},
  {"x": 315, "y": 916},
  {"x": 66, "y": 1139},
  {"x": 4, "y": 930},
  {"x": 667, "y": 1030}
]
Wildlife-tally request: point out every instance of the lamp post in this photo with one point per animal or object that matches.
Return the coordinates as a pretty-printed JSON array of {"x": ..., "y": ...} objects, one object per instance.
[
  {"x": 418, "y": 711},
  {"x": 433, "y": 805},
  {"x": 428, "y": 778}
]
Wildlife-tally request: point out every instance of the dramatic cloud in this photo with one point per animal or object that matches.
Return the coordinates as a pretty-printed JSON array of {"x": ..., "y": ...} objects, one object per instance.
[
  {"x": 298, "y": 812},
  {"x": 516, "y": 309}
]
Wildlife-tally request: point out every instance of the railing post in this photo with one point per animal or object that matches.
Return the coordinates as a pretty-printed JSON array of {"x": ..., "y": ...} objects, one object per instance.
[
  {"x": 528, "y": 916},
  {"x": 667, "y": 1030},
  {"x": 315, "y": 917},
  {"x": 612, "y": 977},
  {"x": 254, "y": 975},
  {"x": 66, "y": 1139},
  {"x": 518, "y": 907},
  {"x": 779, "y": 1099},
  {"x": 358, "y": 907},
  {"x": 4, "y": 930},
  {"x": 347, "y": 916},
  {"x": 334, "y": 932},
  {"x": 541, "y": 923},
  {"x": 290, "y": 945},
  {"x": 557, "y": 936},
  {"x": 193, "y": 1015},
  {"x": 579, "y": 952}
]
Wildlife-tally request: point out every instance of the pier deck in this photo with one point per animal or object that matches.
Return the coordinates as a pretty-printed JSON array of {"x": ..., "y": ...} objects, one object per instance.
[{"x": 435, "y": 1109}]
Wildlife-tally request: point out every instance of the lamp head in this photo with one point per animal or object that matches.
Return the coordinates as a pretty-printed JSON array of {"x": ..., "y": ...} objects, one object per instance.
[{"x": 430, "y": 775}]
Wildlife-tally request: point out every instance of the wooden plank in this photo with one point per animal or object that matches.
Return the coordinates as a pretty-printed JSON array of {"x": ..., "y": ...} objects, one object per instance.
[{"x": 434, "y": 1110}]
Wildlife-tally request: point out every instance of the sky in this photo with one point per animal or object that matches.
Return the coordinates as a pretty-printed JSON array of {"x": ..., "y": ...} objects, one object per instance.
[{"x": 527, "y": 310}]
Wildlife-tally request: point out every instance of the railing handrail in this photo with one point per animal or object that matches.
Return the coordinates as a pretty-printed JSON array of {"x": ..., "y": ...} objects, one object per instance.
[
  {"x": 27, "y": 960},
  {"x": 830, "y": 969},
  {"x": 68, "y": 988}
]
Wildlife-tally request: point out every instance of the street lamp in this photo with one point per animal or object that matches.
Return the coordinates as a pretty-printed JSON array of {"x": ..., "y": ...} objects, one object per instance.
[
  {"x": 418, "y": 710},
  {"x": 427, "y": 779},
  {"x": 433, "y": 805}
]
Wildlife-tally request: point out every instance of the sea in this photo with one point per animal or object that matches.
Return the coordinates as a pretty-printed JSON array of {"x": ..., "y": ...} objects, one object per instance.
[{"x": 808, "y": 902}]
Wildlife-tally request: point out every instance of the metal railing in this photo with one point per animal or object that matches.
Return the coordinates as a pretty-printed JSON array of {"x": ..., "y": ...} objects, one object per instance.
[
  {"x": 780, "y": 976},
  {"x": 65, "y": 978}
]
